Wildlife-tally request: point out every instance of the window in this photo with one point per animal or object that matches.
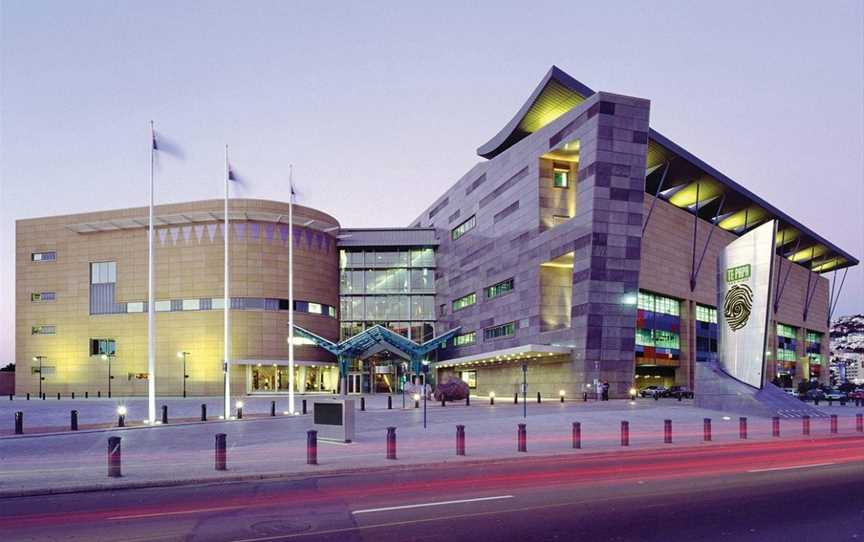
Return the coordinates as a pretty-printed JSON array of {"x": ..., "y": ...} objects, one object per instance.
[
  {"x": 135, "y": 306},
  {"x": 814, "y": 337},
  {"x": 470, "y": 378},
  {"x": 43, "y": 296},
  {"x": 561, "y": 178},
  {"x": 49, "y": 256},
  {"x": 499, "y": 289},
  {"x": 315, "y": 308},
  {"x": 463, "y": 228},
  {"x": 422, "y": 307},
  {"x": 163, "y": 306},
  {"x": 103, "y": 273},
  {"x": 658, "y": 303},
  {"x": 422, "y": 280},
  {"x": 786, "y": 331},
  {"x": 497, "y": 332},
  {"x": 465, "y": 339},
  {"x": 464, "y": 301},
  {"x": 706, "y": 314},
  {"x": 217, "y": 303},
  {"x": 557, "y": 220},
  {"x": 43, "y": 330},
  {"x": 99, "y": 347},
  {"x": 422, "y": 257}
]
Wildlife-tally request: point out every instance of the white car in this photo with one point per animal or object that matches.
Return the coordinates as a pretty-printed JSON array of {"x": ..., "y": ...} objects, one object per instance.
[{"x": 654, "y": 391}]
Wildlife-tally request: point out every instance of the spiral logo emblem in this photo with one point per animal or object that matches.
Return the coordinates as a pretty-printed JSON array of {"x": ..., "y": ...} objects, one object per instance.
[{"x": 736, "y": 309}]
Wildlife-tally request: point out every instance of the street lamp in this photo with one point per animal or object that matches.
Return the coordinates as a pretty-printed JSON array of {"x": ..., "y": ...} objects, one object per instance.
[
  {"x": 108, "y": 358},
  {"x": 185, "y": 376},
  {"x": 525, "y": 389},
  {"x": 425, "y": 369},
  {"x": 41, "y": 378}
]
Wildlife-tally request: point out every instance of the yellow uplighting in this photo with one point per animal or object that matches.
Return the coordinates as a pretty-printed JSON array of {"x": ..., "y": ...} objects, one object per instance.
[
  {"x": 708, "y": 189},
  {"x": 829, "y": 265},
  {"x": 553, "y": 101},
  {"x": 750, "y": 216},
  {"x": 808, "y": 253}
]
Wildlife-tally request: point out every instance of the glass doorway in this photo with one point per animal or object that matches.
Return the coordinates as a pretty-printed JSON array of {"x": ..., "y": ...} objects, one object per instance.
[{"x": 355, "y": 381}]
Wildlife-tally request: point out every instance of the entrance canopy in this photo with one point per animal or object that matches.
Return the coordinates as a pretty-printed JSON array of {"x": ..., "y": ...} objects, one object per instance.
[{"x": 375, "y": 339}]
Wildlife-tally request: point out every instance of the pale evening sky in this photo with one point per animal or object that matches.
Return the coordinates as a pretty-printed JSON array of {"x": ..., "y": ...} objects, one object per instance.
[{"x": 386, "y": 102}]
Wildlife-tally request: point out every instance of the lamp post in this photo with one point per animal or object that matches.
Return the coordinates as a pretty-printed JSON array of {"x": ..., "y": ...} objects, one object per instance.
[
  {"x": 425, "y": 369},
  {"x": 525, "y": 389},
  {"x": 185, "y": 376},
  {"x": 41, "y": 378},
  {"x": 108, "y": 358}
]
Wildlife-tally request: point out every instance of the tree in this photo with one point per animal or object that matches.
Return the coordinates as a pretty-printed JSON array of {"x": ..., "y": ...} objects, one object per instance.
[{"x": 9, "y": 368}]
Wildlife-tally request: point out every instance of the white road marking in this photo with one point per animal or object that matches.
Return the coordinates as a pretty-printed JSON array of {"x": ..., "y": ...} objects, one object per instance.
[
  {"x": 793, "y": 467},
  {"x": 422, "y": 505},
  {"x": 179, "y": 512}
]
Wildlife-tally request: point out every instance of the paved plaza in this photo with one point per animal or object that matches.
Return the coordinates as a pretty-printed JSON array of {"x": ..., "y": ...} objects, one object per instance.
[{"x": 261, "y": 445}]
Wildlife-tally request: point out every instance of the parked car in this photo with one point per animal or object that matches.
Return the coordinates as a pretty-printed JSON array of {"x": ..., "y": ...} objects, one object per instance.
[
  {"x": 652, "y": 391},
  {"x": 680, "y": 391},
  {"x": 814, "y": 394},
  {"x": 835, "y": 395},
  {"x": 790, "y": 391},
  {"x": 857, "y": 394}
]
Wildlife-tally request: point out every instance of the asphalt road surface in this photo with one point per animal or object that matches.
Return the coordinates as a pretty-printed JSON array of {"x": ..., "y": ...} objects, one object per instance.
[{"x": 765, "y": 491}]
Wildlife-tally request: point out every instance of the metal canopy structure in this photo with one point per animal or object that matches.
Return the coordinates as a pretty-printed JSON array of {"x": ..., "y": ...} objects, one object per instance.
[
  {"x": 196, "y": 217},
  {"x": 374, "y": 340},
  {"x": 677, "y": 176}
]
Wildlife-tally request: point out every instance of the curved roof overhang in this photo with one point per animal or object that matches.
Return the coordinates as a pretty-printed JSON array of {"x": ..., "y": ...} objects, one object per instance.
[
  {"x": 718, "y": 199},
  {"x": 375, "y": 339}
]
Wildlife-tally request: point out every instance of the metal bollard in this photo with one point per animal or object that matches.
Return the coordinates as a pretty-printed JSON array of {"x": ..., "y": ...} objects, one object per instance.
[
  {"x": 114, "y": 458},
  {"x": 19, "y": 423},
  {"x": 362, "y": 403},
  {"x": 311, "y": 447},
  {"x": 304, "y": 406},
  {"x": 491, "y": 400},
  {"x": 221, "y": 455},
  {"x": 742, "y": 428},
  {"x": 706, "y": 429},
  {"x": 203, "y": 412},
  {"x": 272, "y": 408},
  {"x": 164, "y": 413},
  {"x": 239, "y": 413},
  {"x": 521, "y": 438},
  {"x": 389, "y": 402},
  {"x": 833, "y": 424},
  {"x": 391, "y": 443},
  {"x": 859, "y": 422},
  {"x": 667, "y": 431},
  {"x": 775, "y": 426},
  {"x": 28, "y": 396},
  {"x": 73, "y": 422},
  {"x": 585, "y": 397},
  {"x": 58, "y": 395},
  {"x": 73, "y": 395},
  {"x": 43, "y": 396},
  {"x": 443, "y": 402},
  {"x": 516, "y": 398},
  {"x": 577, "y": 435},
  {"x": 121, "y": 420},
  {"x": 538, "y": 397},
  {"x": 86, "y": 395},
  {"x": 460, "y": 440},
  {"x": 805, "y": 425},
  {"x": 625, "y": 433},
  {"x": 468, "y": 400},
  {"x": 99, "y": 394}
]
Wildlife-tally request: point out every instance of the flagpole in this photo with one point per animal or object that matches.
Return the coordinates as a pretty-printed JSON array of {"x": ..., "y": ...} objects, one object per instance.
[
  {"x": 151, "y": 309},
  {"x": 227, "y": 304},
  {"x": 291, "y": 289}
]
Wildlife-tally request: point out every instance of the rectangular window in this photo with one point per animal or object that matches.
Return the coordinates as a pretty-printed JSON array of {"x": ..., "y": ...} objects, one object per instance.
[
  {"x": 422, "y": 257},
  {"x": 470, "y": 378},
  {"x": 422, "y": 280},
  {"x": 464, "y": 301},
  {"x": 499, "y": 289},
  {"x": 465, "y": 339},
  {"x": 497, "y": 332},
  {"x": 163, "y": 306},
  {"x": 191, "y": 304},
  {"x": 44, "y": 330},
  {"x": 562, "y": 178},
  {"x": 463, "y": 228},
  {"x": 49, "y": 256},
  {"x": 706, "y": 314},
  {"x": 135, "y": 306},
  {"x": 658, "y": 303},
  {"x": 103, "y": 273},
  {"x": 216, "y": 303},
  {"x": 43, "y": 296},
  {"x": 814, "y": 337},
  {"x": 557, "y": 220},
  {"x": 315, "y": 308},
  {"x": 99, "y": 347},
  {"x": 786, "y": 331}
]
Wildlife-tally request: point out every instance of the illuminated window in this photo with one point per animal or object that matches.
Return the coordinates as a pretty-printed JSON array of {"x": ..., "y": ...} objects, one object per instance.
[
  {"x": 786, "y": 331},
  {"x": 103, "y": 273},
  {"x": 557, "y": 220},
  {"x": 464, "y": 301},
  {"x": 43, "y": 256},
  {"x": 42, "y": 296},
  {"x": 470, "y": 378},
  {"x": 706, "y": 314},
  {"x": 561, "y": 178},
  {"x": 658, "y": 303},
  {"x": 315, "y": 308},
  {"x": 499, "y": 289},
  {"x": 217, "y": 303},
  {"x": 191, "y": 304},
  {"x": 497, "y": 332},
  {"x": 465, "y": 339},
  {"x": 163, "y": 306},
  {"x": 463, "y": 228},
  {"x": 100, "y": 347},
  {"x": 43, "y": 330},
  {"x": 135, "y": 306}
]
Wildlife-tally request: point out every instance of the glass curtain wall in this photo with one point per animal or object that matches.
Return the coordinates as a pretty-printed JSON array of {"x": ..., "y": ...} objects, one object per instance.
[{"x": 706, "y": 333}]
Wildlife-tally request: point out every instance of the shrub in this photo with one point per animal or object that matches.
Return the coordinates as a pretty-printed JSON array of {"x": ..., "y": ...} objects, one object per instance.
[{"x": 451, "y": 390}]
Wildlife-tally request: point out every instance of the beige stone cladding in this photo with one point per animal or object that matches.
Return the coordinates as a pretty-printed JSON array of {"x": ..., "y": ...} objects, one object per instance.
[
  {"x": 189, "y": 258},
  {"x": 667, "y": 260}
]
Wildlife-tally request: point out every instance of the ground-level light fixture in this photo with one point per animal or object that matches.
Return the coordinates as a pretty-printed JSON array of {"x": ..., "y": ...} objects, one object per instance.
[
  {"x": 121, "y": 416},
  {"x": 121, "y": 410},
  {"x": 632, "y": 393},
  {"x": 561, "y": 394}
]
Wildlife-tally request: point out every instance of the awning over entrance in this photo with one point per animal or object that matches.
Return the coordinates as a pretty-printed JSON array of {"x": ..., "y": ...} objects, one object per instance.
[
  {"x": 376, "y": 339},
  {"x": 527, "y": 352}
]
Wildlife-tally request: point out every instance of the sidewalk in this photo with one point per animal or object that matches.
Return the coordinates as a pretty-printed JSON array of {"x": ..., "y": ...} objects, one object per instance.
[{"x": 268, "y": 447}]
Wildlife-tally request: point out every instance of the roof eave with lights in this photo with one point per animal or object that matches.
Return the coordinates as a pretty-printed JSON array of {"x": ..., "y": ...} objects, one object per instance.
[{"x": 526, "y": 352}]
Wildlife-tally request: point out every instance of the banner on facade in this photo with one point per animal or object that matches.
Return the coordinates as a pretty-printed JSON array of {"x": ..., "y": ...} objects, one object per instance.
[{"x": 744, "y": 271}]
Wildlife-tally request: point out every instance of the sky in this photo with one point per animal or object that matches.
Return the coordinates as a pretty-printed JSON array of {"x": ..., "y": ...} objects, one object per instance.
[{"x": 380, "y": 106}]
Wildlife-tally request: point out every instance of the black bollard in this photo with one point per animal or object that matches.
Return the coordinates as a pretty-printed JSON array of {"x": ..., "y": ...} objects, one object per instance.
[
  {"x": 577, "y": 435},
  {"x": 521, "y": 438},
  {"x": 460, "y": 440},
  {"x": 391, "y": 443},
  {"x": 538, "y": 397},
  {"x": 805, "y": 425},
  {"x": 416, "y": 403},
  {"x": 833, "y": 424},
  {"x": 706, "y": 429},
  {"x": 625, "y": 433},
  {"x": 239, "y": 412},
  {"x": 742, "y": 428},
  {"x": 516, "y": 398},
  {"x": 468, "y": 400},
  {"x": 443, "y": 402},
  {"x": 99, "y": 394},
  {"x": 164, "y": 413},
  {"x": 859, "y": 422},
  {"x": 304, "y": 406},
  {"x": 389, "y": 402},
  {"x": 73, "y": 395},
  {"x": 667, "y": 431},
  {"x": 73, "y": 422},
  {"x": 19, "y": 423},
  {"x": 272, "y": 408},
  {"x": 221, "y": 456},
  {"x": 203, "y": 412},
  {"x": 121, "y": 420},
  {"x": 58, "y": 395},
  {"x": 775, "y": 426},
  {"x": 311, "y": 447},
  {"x": 28, "y": 396},
  {"x": 362, "y": 403},
  {"x": 562, "y": 397},
  {"x": 43, "y": 396},
  {"x": 114, "y": 457},
  {"x": 491, "y": 399},
  {"x": 585, "y": 397},
  {"x": 86, "y": 395}
]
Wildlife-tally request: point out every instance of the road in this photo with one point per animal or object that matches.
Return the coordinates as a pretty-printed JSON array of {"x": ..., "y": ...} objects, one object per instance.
[{"x": 760, "y": 491}]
